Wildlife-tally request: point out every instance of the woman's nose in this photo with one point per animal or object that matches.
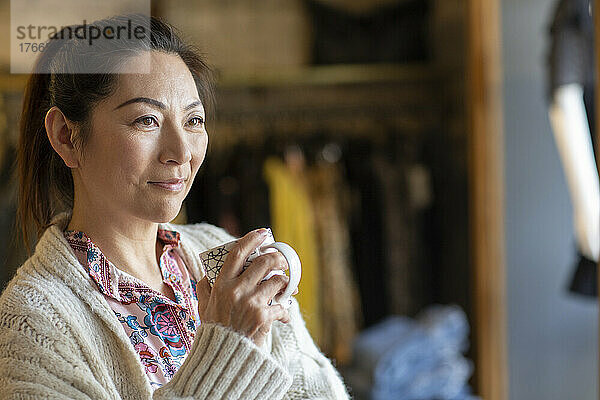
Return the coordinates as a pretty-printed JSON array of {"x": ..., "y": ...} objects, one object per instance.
[{"x": 175, "y": 146}]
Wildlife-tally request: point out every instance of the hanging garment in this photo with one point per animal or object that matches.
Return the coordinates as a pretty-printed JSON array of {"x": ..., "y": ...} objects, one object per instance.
[
  {"x": 339, "y": 295},
  {"x": 584, "y": 278},
  {"x": 571, "y": 60},
  {"x": 366, "y": 232},
  {"x": 571, "y": 57},
  {"x": 403, "y": 272},
  {"x": 292, "y": 222}
]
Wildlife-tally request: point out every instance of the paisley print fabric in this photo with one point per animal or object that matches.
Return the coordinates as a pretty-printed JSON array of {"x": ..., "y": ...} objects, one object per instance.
[{"x": 160, "y": 330}]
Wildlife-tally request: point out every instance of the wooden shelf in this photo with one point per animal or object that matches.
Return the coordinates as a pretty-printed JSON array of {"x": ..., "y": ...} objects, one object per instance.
[
  {"x": 309, "y": 75},
  {"x": 328, "y": 75}
]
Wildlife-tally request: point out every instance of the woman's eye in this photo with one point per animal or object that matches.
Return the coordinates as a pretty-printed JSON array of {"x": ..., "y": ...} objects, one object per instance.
[
  {"x": 196, "y": 122},
  {"x": 146, "y": 122}
]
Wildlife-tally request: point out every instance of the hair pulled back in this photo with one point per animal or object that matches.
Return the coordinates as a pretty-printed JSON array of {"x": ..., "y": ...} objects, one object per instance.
[{"x": 45, "y": 182}]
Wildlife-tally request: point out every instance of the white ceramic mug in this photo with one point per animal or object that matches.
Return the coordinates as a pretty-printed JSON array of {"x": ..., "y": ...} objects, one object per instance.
[{"x": 213, "y": 260}]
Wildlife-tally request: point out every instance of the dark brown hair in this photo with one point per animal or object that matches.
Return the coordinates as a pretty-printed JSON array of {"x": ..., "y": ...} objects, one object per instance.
[{"x": 45, "y": 182}]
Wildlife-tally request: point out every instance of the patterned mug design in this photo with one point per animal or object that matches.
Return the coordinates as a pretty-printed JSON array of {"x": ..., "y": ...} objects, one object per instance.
[{"x": 213, "y": 260}]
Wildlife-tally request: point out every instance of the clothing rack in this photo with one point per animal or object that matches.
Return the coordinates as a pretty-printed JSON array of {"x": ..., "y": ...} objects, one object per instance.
[{"x": 340, "y": 101}]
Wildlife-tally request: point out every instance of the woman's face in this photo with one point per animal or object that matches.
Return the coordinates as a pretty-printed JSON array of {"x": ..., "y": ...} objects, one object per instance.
[{"x": 148, "y": 140}]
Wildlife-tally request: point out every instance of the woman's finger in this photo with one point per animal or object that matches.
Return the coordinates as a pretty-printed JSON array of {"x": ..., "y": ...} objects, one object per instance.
[
  {"x": 203, "y": 294},
  {"x": 261, "y": 266},
  {"x": 271, "y": 287},
  {"x": 234, "y": 263},
  {"x": 278, "y": 313}
]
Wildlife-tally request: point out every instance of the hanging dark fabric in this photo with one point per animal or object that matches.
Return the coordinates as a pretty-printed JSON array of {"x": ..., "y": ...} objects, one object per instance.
[{"x": 571, "y": 60}]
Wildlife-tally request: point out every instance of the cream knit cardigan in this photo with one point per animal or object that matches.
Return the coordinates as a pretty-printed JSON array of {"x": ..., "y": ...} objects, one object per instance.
[{"x": 59, "y": 339}]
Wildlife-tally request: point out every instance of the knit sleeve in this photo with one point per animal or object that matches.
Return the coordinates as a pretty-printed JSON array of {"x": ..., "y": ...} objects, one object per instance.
[
  {"x": 313, "y": 374},
  {"x": 226, "y": 365}
]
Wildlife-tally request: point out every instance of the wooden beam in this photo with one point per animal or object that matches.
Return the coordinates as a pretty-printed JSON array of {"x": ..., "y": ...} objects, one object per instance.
[
  {"x": 321, "y": 75},
  {"x": 486, "y": 194}
]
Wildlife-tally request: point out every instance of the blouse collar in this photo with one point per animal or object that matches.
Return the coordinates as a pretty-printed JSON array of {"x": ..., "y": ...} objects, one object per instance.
[{"x": 111, "y": 279}]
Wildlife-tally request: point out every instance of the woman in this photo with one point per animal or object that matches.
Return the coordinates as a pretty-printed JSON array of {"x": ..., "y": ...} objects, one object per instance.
[{"x": 108, "y": 306}]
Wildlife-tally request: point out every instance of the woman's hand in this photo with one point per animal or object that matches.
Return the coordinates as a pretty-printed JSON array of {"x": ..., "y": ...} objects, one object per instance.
[{"x": 240, "y": 299}]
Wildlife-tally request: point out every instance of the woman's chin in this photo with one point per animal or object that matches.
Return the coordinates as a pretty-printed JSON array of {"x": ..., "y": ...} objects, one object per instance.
[
  {"x": 168, "y": 217},
  {"x": 164, "y": 214}
]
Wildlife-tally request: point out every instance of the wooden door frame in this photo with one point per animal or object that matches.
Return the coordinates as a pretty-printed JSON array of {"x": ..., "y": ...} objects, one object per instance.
[{"x": 486, "y": 195}]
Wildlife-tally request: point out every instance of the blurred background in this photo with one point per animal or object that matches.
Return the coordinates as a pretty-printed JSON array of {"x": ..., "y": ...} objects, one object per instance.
[{"x": 404, "y": 148}]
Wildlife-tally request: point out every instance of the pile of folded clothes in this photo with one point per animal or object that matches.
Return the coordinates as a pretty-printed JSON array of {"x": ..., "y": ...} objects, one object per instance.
[{"x": 413, "y": 359}]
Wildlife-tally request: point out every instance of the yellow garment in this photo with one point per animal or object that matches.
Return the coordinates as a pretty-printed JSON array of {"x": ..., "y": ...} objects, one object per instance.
[
  {"x": 292, "y": 222},
  {"x": 339, "y": 294}
]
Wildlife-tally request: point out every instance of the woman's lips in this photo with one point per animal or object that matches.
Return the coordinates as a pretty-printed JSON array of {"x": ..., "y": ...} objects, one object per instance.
[{"x": 174, "y": 185}]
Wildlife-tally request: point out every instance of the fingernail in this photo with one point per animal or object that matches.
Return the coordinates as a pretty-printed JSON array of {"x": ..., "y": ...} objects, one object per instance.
[{"x": 263, "y": 231}]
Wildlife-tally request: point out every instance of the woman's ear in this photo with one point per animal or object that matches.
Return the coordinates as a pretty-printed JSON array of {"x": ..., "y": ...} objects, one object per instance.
[{"x": 60, "y": 133}]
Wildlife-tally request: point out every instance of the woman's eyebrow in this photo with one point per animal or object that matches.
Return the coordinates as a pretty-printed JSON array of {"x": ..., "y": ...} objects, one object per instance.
[
  {"x": 143, "y": 100},
  {"x": 192, "y": 105},
  {"x": 155, "y": 103}
]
